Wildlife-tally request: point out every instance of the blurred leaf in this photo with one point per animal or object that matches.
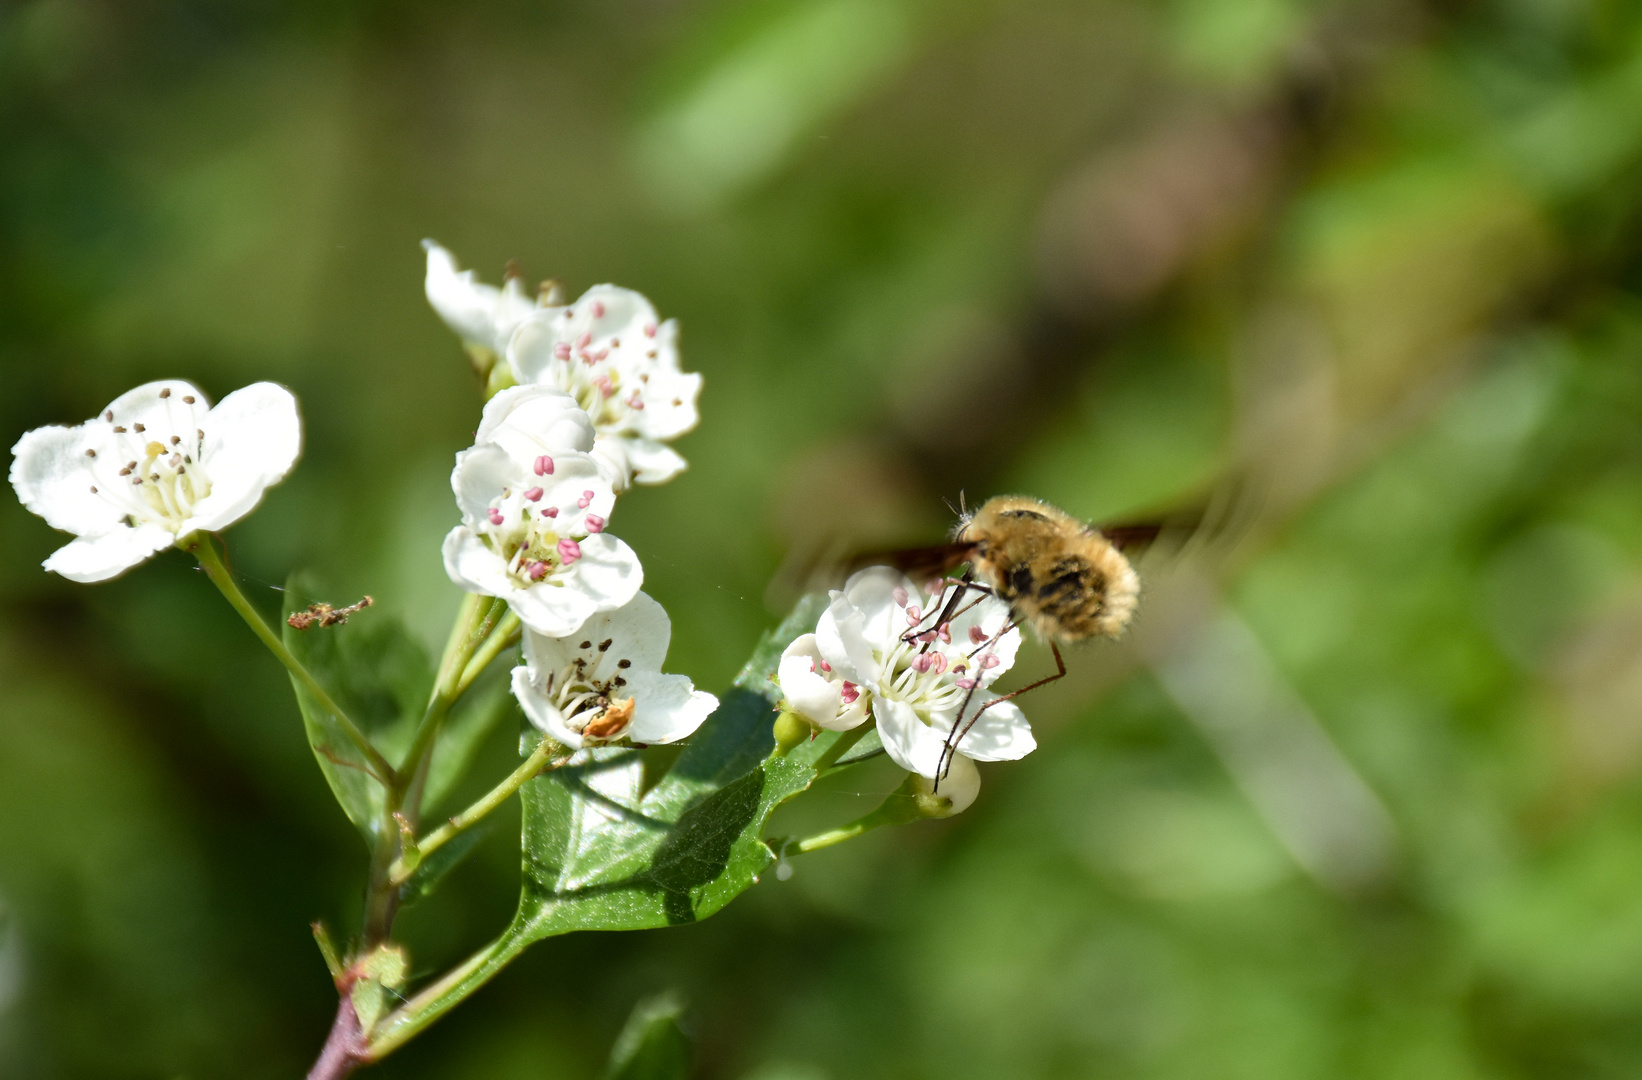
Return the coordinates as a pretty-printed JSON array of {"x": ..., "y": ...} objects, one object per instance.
[
  {"x": 433, "y": 868},
  {"x": 470, "y": 722},
  {"x": 651, "y": 1046},
  {"x": 379, "y": 675}
]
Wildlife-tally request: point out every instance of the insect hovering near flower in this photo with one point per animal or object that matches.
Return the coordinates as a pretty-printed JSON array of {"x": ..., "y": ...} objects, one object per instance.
[{"x": 1066, "y": 579}]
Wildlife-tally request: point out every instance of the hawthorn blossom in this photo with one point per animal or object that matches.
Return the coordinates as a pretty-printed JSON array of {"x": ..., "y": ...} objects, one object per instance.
[
  {"x": 604, "y": 683},
  {"x": 878, "y": 649},
  {"x": 157, "y": 466},
  {"x": 534, "y": 509},
  {"x": 609, "y": 351},
  {"x": 483, "y": 316}
]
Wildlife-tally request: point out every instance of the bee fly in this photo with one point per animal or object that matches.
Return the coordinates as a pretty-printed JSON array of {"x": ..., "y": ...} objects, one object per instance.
[{"x": 1067, "y": 580}]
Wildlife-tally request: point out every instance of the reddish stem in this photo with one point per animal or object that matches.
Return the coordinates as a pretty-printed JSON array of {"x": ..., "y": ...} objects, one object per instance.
[{"x": 345, "y": 1047}]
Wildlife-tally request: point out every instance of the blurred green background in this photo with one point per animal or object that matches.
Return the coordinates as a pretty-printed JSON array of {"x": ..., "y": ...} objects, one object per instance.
[{"x": 1360, "y": 795}]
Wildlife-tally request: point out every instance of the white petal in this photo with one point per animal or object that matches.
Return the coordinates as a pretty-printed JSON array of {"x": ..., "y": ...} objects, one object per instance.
[
  {"x": 669, "y": 404},
  {"x": 649, "y": 461},
  {"x": 542, "y": 713},
  {"x": 638, "y": 631},
  {"x": 666, "y": 708},
  {"x": 883, "y": 619},
  {"x": 531, "y": 420},
  {"x": 473, "y": 566},
  {"x": 553, "y": 612},
  {"x": 809, "y": 693},
  {"x": 910, "y": 743},
  {"x": 99, "y": 558},
  {"x": 611, "y": 452},
  {"x": 608, "y": 573},
  {"x": 478, "y": 313},
  {"x": 162, "y": 416},
  {"x": 53, "y": 478},
  {"x": 480, "y": 475},
  {"x": 838, "y": 635},
  {"x": 1001, "y": 733},
  {"x": 252, "y": 439},
  {"x": 623, "y": 309},
  {"x": 989, "y": 616}
]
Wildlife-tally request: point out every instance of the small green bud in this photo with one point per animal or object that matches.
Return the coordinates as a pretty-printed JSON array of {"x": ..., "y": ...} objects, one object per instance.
[
  {"x": 952, "y": 795},
  {"x": 790, "y": 730},
  {"x": 410, "y": 855},
  {"x": 383, "y": 971}
]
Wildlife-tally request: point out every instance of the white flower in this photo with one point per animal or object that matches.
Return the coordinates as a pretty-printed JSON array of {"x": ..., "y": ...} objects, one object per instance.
[
  {"x": 604, "y": 683},
  {"x": 483, "y": 316},
  {"x": 860, "y": 659},
  {"x": 158, "y": 465},
  {"x": 609, "y": 352},
  {"x": 534, "y": 507}
]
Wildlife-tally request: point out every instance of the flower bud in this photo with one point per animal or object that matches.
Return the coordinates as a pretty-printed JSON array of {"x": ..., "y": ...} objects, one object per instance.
[
  {"x": 954, "y": 792},
  {"x": 791, "y": 730}
]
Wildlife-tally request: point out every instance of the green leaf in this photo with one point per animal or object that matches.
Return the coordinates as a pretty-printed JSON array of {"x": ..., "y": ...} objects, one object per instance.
[
  {"x": 380, "y": 676},
  {"x": 433, "y": 868},
  {"x": 651, "y": 1046},
  {"x": 601, "y": 852}
]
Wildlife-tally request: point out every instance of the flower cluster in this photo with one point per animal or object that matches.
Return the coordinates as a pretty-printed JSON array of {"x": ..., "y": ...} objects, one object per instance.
[
  {"x": 918, "y": 665},
  {"x": 608, "y": 350}
]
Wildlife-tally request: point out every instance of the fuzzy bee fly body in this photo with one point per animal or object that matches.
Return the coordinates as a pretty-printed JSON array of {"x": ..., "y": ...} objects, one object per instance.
[{"x": 1057, "y": 574}]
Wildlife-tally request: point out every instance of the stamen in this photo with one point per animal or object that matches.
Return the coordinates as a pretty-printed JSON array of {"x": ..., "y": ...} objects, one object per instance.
[
  {"x": 965, "y": 683},
  {"x": 976, "y": 635},
  {"x": 595, "y": 523},
  {"x": 990, "y": 661},
  {"x": 544, "y": 466},
  {"x": 849, "y": 692},
  {"x": 91, "y": 453},
  {"x": 166, "y": 392},
  {"x": 624, "y": 663},
  {"x": 94, "y": 489},
  {"x": 109, "y": 416},
  {"x": 188, "y": 399},
  {"x": 605, "y": 386},
  {"x": 604, "y": 646},
  {"x": 825, "y": 666},
  {"x": 138, "y": 428},
  {"x": 569, "y": 551},
  {"x": 175, "y": 439},
  {"x": 915, "y": 614},
  {"x": 551, "y": 512},
  {"x": 944, "y": 631},
  {"x": 562, "y": 350},
  {"x": 649, "y": 329},
  {"x": 533, "y": 494},
  {"x": 583, "y": 502},
  {"x": 537, "y": 570},
  {"x": 585, "y": 340},
  {"x": 494, "y": 515},
  {"x": 118, "y": 430}
]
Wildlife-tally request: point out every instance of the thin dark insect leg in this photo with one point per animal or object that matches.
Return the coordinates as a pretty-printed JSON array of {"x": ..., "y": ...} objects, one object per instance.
[
  {"x": 945, "y": 615},
  {"x": 944, "y": 762},
  {"x": 1060, "y": 673}
]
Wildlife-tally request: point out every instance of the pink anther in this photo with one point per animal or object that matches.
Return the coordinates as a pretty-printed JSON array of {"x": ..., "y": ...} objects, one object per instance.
[
  {"x": 649, "y": 329},
  {"x": 976, "y": 635},
  {"x": 536, "y": 570},
  {"x": 937, "y": 662},
  {"x": 582, "y": 503},
  {"x": 544, "y": 466},
  {"x": 562, "y": 350},
  {"x": 551, "y": 512},
  {"x": 569, "y": 551},
  {"x": 595, "y": 523},
  {"x": 850, "y": 692},
  {"x": 965, "y": 683},
  {"x": 533, "y": 494},
  {"x": 944, "y": 631},
  {"x": 494, "y": 515},
  {"x": 598, "y": 309},
  {"x": 606, "y": 387},
  {"x": 926, "y": 637},
  {"x": 899, "y": 595},
  {"x": 990, "y": 661},
  {"x": 915, "y": 614},
  {"x": 585, "y": 340},
  {"x": 824, "y": 666}
]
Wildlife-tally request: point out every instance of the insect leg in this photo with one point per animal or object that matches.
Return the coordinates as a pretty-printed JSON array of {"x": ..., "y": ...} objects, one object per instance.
[
  {"x": 944, "y": 763},
  {"x": 952, "y": 743}
]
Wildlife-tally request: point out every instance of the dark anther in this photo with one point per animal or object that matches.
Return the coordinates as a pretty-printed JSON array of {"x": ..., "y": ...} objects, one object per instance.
[
  {"x": 188, "y": 399},
  {"x": 91, "y": 453},
  {"x": 175, "y": 439},
  {"x": 604, "y": 645},
  {"x": 109, "y": 416},
  {"x": 585, "y": 645},
  {"x": 166, "y": 392},
  {"x": 138, "y": 428},
  {"x": 199, "y": 433},
  {"x": 624, "y": 663},
  {"x": 94, "y": 489},
  {"x": 119, "y": 431}
]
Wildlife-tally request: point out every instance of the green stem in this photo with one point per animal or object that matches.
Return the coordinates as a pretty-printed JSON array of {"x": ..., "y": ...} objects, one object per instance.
[
  {"x": 532, "y": 766},
  {"x": 202, "y": 549},
  {"x": 846, "y": 739},
  {"x": 449, "y": 991},
  {"x": 478, "y": 617},
  {"x": 898, "y": 808},
  {"x": 505, "y": 636}
]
